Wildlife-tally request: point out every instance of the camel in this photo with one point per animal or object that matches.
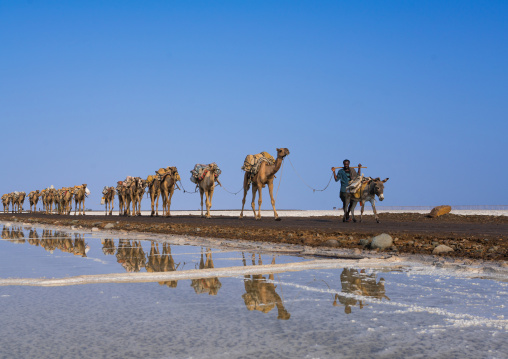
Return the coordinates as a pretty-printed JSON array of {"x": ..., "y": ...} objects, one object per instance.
[
  {"x": 109, "y": 199},
  {"x": 154, "y": 190},
  {"x": 80, "y": 193},
  {"x": 66, "y": 200},
  {"x": 6, "y": 201},
  {"x": 121, "y": 191},
  {"x": 168, "y": 182},
  {"x": 134, "y": 194},
  {"x": 21, "y": 200},
  {"x": 207, "y": 186},
  {"x": 265, "y": 175},
  {"x": 49, "y": 199},
  {"x": 33, "y": 198}
]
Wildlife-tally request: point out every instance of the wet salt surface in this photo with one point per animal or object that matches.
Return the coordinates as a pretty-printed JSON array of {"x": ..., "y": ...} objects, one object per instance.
[{"x": 355, "y": 310}]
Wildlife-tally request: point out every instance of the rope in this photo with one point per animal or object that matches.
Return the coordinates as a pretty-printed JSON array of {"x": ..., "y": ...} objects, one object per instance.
[
  {"x": 184, "y": 191},
  {"x": 224, "y": 188},
  {"x": 312, "y": 188},
  {"x": 280, "y": 179}
]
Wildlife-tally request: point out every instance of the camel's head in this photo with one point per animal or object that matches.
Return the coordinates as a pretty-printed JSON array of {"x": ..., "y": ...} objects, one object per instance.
[
  {"x": 282, "y": 152},
  {"x": 175, "y": 174}
]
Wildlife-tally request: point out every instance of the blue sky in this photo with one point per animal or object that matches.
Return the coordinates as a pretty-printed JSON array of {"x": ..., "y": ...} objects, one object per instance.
[{"x": 93, "y": 91}]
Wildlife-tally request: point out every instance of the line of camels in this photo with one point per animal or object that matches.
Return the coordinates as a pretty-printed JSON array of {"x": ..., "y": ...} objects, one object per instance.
[{"x": 130, "y": 192}]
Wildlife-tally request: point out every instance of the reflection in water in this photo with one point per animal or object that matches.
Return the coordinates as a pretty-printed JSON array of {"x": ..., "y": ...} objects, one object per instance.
[
  {"x": 162, "y": 263},
  {"x": 359, "y": 283},
  {"x": 108, "y": 246},
  {"x": 14, "y": 235},
  {"x": 33, "y": 238},
  {"x": 131, "y": 257},
  {"x": 206, "y": 285},
  {"x": 63, "y": 241},
  {"x": 261, "y": 295}
]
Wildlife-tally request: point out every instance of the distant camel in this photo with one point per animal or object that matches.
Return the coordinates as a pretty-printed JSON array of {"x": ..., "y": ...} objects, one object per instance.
[
  {"x": 168, "y": 183},
  {"x": 265, "y": 175},
  {"x": 207, "y": 186},
  {"x": 80, "y": 193},
  {"x": 109, "y": 199},
  {"x": 154, "y": 190},
  {"x": 33, "y": 198}
]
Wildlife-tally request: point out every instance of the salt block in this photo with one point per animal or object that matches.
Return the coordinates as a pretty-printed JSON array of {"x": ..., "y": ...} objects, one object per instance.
[{"x": 439, "y": 211}]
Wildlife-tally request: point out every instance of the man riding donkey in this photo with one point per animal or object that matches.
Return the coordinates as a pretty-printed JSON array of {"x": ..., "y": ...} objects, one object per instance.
[{"x": 345, "y": 175}]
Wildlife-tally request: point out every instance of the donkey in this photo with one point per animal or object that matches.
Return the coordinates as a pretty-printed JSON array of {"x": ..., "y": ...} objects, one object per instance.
[{"x": 368, "y": 192}]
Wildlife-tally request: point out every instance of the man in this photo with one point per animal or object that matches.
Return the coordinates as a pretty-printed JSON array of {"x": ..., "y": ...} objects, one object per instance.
[{"x": 345, "y": 175}]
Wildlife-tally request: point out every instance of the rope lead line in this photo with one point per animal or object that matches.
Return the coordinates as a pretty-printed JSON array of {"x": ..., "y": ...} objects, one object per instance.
[{"x": 312, "y": 188}]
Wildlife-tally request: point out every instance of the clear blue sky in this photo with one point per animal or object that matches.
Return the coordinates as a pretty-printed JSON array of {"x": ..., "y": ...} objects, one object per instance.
[{"x": 93, "y": 91}]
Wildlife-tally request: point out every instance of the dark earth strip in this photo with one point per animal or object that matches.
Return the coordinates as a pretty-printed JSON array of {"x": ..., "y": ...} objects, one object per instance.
[{"x": 472, "y": 236}]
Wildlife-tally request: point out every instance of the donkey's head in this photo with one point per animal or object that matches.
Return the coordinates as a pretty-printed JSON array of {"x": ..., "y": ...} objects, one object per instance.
[{"x": 378, "y": 187}]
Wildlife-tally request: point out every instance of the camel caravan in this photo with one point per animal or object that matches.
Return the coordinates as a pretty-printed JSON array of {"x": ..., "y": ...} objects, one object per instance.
[{"x": 259, "y": 171}]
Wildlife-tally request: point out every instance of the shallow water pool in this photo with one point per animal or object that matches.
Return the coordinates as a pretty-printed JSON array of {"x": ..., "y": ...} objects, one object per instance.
[{"x": 350, "y": 309}]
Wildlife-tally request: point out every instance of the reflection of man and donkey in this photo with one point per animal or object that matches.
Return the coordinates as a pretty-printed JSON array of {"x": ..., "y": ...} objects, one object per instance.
[
  {"x": 260, "y": 294},
  {"x": 359, "y": 283}
]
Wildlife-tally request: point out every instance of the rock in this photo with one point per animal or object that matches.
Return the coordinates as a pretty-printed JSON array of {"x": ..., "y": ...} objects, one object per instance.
[
  {"x": 109, "y": 226},
  {"x": 97, "y": 223},
  {"x": 332, "y": 243},
  {"x": 357, "y": 251},
  {"x": 442, "y": 249},
  {"x": 365, "y": 242},
  {"x": 382, "y": 241},
  {"x": 95, "y": 229},
  {"x": 439, "y": 211}
]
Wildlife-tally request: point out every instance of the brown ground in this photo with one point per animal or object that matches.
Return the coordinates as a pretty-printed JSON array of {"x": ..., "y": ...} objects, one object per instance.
[{"x": 476, "y": 237}]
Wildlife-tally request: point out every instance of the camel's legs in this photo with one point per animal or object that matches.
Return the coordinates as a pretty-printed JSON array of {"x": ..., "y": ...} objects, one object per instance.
[
  {"x": 210, "y": 196},
  {"x": 157, "y": 194},
  {"x": 245, "y": 190},
  {"x": 112, "y": 205},
  {"x": 270, "y": 190},
  {"x": 254, "y": 189},
  {"x": 171, "y": 191},
  {"x": 201, "y": 192}
]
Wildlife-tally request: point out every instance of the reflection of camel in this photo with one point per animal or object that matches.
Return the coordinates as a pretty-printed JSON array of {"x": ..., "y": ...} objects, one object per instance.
[
  {"x": 131, "y": 257},
  {"x": 261, "y": 295},
  {"x": 265, "y": 175},
  {"x": 108, "y": 246},
  {"x": 206, "y": 285},
  {"x": 33, "y": 238},
  {"x": 162, "y": 263},
  {"x": 15, "y": 235},
  {"x": 359, "y": 283},
  {"x": 80, "y": 247}
]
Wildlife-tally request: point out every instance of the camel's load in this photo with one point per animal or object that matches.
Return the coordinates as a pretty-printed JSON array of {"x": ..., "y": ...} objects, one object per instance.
[
  {"x": 161, "y": 172},
  {"x": 105, "y": 191},
  {"x": 200, "y": 170},
  {"x": 252, "y": 162}
]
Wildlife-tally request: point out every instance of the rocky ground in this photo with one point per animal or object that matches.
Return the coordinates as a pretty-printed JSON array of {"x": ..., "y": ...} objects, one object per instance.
[{"x": 476, "y": 237}]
